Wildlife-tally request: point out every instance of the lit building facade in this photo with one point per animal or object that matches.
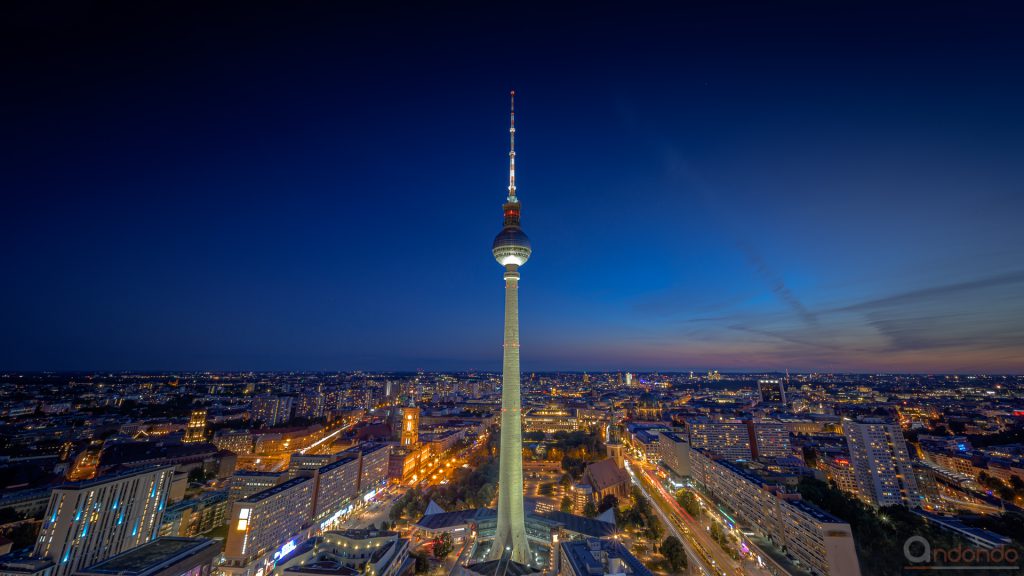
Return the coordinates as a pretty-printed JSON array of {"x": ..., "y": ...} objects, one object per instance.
[
  {"x": 196, "y": 429},
  {"x": 769, "y": 439},
  {"x": 410, "y": 435},
  {"x": 245, "y": 483},
  {"x": 675, "y": 453},
  {"x": 90, "y": 521},
  {"x": 551, "y": 418},
  {"x": 272, "y": 410},
  {"x": 374, "y": 458},
  {"x": 772, "y": 390},
  {"x": 727, "y": 438},
  {"x": 337, "y": 487},
  {"x": 266, "y": 525},
  {"x": 195, "y": 516},
  {"x": 240, "y": 442},
  {"x": 821, "y": 542},
  {"x": 881, "y": 463}
]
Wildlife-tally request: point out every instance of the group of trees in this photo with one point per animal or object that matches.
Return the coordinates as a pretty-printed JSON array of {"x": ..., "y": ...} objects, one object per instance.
[
  {"x": 878, "y": 534},
  {"x": 573, "y": 449},
  {"x": 443, "y": 545},
  {"x": 14, "y": 527},
  {"x": 410, "y": 505},
  {"x": 675, "y": 554},
  {"x": 642, "y": 517},
  {"x": 609, "y": 502},
  {"x": 688, "y": 501},
  {"x": 1007, "y": 491}
]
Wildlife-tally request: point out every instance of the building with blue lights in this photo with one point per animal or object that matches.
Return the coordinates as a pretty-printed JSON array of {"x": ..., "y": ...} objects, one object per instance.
[{"x": 89, "y": 521}]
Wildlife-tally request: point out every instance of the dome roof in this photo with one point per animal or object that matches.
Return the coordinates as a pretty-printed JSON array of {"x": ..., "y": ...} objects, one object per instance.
[{"x": 509, "y": 237}]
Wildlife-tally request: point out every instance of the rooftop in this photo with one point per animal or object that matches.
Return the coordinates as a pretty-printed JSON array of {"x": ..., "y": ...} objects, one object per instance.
[
  {"x": 584, "y": 560},
  {"x": 157, "y": 555},
  {"x": 112, "y": 477},
  {"x": 581, "y": 524},
  {"x": 815, "y": 512},
  {"x": 260, "y": 496}
]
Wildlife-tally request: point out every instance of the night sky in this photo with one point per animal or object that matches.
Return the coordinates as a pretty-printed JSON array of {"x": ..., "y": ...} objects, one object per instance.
[{"x": 805, "y": 186}]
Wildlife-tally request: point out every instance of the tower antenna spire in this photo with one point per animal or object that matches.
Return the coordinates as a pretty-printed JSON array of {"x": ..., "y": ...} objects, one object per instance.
[{"x": 512, "y": 150}]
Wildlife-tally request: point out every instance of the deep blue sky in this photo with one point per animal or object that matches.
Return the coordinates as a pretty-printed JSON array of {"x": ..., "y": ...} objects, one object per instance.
[{"x": 820, "y": 185}]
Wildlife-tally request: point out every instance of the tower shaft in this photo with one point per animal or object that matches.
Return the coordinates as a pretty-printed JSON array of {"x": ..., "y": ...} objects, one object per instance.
[{"x": 511, "y": 530}]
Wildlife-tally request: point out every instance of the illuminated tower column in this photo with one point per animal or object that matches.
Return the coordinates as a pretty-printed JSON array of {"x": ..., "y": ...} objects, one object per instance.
[{"x": 511, "y": 249}]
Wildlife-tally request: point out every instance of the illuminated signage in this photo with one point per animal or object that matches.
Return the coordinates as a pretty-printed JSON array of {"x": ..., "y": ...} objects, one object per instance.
[{"x": 285, "y": 550}]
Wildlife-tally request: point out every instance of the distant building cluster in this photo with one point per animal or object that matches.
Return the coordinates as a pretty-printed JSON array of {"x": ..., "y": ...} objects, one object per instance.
[{"x": 248, "y": 474}]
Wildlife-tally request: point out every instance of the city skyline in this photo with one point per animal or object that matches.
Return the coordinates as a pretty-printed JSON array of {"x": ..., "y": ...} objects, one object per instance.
[{"x": 198, "y": 195}]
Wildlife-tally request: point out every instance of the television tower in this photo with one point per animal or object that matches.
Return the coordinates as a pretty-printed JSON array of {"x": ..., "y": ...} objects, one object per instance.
[{"x": 511, "y": 249}]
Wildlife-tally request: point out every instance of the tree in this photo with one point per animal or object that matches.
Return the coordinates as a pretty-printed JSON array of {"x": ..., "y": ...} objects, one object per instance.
[
  {"x": 444, "y": 545},
  {"x": 566, "y": 504},
  {"x": 546, "y": 489},
  {"x": 877, "y": 534},
  {"x": 688, "y": 501},
  {"x": 590, "y": 509},
  {"x": 639, "y": 548},
  {"x": 609, "y": 502},
  {"x": 673, "y": 551}
]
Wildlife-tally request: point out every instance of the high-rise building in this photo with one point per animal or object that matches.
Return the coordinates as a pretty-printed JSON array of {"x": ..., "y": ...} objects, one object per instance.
[
  {"x": 337, "y": 486},
  {"x": 90, "y": 521},
  {"x": 769, "y": 439},
  {"x": 881, "y": 463},
  {"x": 310, "y": 406},
  {"x": 838, "y": 470},
  {"x": 240, "y": 442},
  {"x": 245, "y": 483},
  {"x": 373, "y": 466},
  {"x": 195, "y": 516},
  {"x": 772, "y": 390},
  {"x": 267, "y": 523},
  {"x": 272, "y": 410},
  {"x": 196, "y": 430},
  {"x": 727, "y": 438},
  {"x": 300, "y": 464},
  {"x": 511, "y": 249},
  {"x": 410, "y": 435},
  {"x": 675, "y": 453}
]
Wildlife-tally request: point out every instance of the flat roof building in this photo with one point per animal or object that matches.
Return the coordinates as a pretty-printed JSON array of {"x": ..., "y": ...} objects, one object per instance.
[
  {"x": 161, "y": 557},
  {"x": 821, "y": 542}
]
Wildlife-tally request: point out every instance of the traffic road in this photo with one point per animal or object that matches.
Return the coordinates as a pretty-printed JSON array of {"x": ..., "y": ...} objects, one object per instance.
[{"x": 709, "y": 551}]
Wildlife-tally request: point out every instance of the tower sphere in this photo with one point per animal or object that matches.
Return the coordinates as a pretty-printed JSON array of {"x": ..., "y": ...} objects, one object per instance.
[{"x": 511, "y": 246}]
